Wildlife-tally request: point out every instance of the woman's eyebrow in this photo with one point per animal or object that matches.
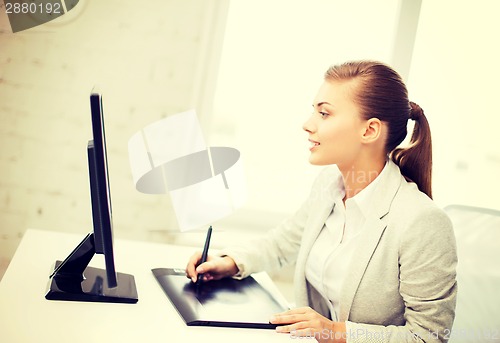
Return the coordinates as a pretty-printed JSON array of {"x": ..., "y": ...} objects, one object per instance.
[{"x": 322, "y": 103}]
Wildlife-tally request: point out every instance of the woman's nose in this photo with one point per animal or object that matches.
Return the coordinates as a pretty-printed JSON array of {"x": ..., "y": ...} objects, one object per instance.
[{"x": 308, "y": 125}]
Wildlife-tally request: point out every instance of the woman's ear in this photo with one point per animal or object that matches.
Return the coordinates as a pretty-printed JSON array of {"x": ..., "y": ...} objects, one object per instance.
[{"x": 373, "y": 131}]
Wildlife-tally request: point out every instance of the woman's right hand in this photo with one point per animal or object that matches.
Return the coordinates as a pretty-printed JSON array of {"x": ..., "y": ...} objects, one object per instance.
[{"x": 214, "y": 269}]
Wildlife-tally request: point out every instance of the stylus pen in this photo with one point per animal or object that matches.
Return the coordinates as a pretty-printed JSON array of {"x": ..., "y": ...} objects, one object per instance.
[{"x": 204, "y": 254}]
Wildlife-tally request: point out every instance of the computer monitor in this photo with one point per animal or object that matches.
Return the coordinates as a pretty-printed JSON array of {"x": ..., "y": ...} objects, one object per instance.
[
  {"x": 72, "y": 278},
  {"x": 99, "y": 189}
]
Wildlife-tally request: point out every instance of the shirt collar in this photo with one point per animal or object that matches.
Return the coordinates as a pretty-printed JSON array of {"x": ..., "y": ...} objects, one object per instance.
[{"x": 363, "y": 198}]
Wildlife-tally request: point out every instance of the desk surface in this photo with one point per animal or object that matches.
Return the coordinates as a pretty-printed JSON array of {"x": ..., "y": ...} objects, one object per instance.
[{"x": 26, "y": 316}]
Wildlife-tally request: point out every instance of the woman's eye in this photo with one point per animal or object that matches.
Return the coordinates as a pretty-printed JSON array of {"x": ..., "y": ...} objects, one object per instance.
[{"x": 323, "y": 114}]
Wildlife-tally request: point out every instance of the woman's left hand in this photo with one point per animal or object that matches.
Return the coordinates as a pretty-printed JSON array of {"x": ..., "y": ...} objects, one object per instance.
[{"x": 305, "y": 322}]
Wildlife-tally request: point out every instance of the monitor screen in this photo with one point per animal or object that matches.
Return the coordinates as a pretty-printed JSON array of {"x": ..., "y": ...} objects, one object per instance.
[{"x": 99, "y": 189}]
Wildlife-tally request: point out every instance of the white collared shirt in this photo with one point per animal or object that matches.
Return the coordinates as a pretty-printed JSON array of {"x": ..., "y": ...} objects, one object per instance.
[{"x": 330, "y": 256}]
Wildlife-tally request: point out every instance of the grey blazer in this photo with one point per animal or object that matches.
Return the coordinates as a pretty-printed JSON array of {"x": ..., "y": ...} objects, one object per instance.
[{"x": 402, "y": 281}]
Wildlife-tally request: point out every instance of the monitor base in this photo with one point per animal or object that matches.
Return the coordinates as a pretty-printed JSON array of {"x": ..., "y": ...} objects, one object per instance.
[{"x": 92, "y": 288}]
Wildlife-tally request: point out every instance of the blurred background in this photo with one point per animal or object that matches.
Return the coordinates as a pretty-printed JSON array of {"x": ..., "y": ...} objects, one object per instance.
[{"x": 251, "y": 69}]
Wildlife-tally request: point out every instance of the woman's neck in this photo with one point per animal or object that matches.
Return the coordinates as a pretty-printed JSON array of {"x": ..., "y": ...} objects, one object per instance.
[{"x": 359, "y": 175}]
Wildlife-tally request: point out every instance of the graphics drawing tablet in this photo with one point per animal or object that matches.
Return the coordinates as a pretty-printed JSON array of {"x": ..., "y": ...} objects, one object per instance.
[{"x": 225, "y": 303}]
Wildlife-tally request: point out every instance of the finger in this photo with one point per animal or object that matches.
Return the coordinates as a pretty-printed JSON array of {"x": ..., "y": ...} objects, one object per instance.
[
  {"x": 298, "y": 310},
  {"x": 294, "y": 327},
  {"x": 191, "y": 266},
  {"x": 303, "y": 333},
  {"x": 216, "y": 266},
  {"x": 207, "y": 267},
  {"x": 208, "y": 277},
  {"x": 287, "y": 318},
  {"x": 203, "y": 268},
  {"x": 293, "y": 315},
  {"x": 283, "y": 329}
]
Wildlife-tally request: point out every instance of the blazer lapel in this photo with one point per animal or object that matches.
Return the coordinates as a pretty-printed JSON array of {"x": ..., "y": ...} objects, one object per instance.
[
  {"x": 313, "y": 228},
  {"x": 368, "y": 241},
  {"x": 370, "y": 236},
  {"x": 319, "y": 212}
]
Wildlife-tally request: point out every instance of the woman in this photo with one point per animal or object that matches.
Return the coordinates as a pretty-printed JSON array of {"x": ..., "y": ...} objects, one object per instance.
[{"x": 375, "y": 257}]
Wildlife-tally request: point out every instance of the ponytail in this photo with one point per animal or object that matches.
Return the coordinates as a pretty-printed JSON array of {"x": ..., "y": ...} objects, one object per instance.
[{"x": 415, "y": 161}]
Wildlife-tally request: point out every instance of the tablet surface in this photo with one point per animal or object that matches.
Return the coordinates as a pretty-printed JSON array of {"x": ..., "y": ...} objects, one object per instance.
[{"x": 227, "y": 303}]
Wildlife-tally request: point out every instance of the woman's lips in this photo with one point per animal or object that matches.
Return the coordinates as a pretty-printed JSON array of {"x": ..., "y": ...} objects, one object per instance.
[{"x": 314, "y": 144}]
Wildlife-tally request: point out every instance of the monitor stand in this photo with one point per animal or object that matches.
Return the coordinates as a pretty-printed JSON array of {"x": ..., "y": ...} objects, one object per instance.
[{"x": 74, "y": 280}]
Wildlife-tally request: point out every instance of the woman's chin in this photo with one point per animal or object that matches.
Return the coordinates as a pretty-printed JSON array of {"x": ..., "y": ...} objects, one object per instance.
[{"x": 315, "y": 161}]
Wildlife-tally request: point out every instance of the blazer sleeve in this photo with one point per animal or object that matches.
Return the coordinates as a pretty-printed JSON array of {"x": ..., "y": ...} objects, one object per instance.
[
  {"x": 281, "y": 245},
  {"x": 428, "y": 287}
]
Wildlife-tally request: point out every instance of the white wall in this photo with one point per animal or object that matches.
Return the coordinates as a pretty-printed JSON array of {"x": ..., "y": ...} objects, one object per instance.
[
  {"x": 150, "y": 60},
  {"x": 454, "y": 77},
  {"x": 274, "y": 57}
]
